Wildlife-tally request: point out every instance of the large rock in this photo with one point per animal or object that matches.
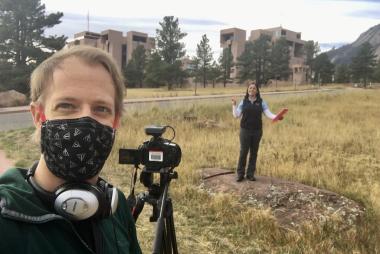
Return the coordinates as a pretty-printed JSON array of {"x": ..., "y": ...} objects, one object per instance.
[
  {"x": 12, "y": 98},
  {"x": 291, "y": 203}
]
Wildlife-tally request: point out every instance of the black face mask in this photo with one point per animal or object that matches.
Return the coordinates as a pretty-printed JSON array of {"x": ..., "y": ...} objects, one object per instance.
[{"x": 76, "y": 149}]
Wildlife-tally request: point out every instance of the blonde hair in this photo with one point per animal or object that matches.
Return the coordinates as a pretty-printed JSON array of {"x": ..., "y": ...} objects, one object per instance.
[{"x": 43, "y": 74}]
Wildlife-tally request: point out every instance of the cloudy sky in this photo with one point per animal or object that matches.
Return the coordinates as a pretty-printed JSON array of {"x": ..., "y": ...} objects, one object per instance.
[{"x": 329, "y": 22}]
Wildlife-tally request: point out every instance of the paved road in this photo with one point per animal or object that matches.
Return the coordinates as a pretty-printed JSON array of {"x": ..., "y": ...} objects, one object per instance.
[{"x": 20, "y": 117}]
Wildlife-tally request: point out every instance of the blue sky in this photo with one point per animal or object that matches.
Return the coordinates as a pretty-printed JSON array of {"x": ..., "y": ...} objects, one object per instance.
[{"x": 330, "y": 22}]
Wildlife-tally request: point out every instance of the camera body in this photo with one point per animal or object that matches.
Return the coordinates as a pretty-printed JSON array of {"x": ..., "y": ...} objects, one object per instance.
[{"x": 155, "y": 154}]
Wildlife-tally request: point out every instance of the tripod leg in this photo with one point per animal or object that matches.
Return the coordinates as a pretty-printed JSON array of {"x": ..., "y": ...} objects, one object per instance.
[
  {"x": 170, "y": 227},
  {"x": 166, "y": 241}
]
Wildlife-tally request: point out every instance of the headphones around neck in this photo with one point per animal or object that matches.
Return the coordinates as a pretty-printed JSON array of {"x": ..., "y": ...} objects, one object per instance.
[{"x": 77, "y": 200}]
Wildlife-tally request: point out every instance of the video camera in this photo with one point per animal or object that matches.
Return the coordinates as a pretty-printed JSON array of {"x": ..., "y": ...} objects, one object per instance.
[
  {"x": 158, "y": 155},
  {"x": 155, "y": 154}
]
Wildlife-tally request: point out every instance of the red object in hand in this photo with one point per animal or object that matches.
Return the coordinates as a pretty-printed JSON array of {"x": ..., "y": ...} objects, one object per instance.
[{"x": 280, "y": 115}]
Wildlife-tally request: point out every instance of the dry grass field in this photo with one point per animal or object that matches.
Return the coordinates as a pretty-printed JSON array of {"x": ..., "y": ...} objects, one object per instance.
[
  {"x": 330, "y": 141},
  {"x": 189, "y": 90}
]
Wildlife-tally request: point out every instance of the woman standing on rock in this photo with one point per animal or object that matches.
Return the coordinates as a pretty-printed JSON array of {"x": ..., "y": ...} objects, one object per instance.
[{"x": 250, "y": 110}]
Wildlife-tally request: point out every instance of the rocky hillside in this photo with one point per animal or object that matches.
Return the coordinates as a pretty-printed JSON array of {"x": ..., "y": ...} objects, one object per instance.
[{"x": 345, "y": 53}]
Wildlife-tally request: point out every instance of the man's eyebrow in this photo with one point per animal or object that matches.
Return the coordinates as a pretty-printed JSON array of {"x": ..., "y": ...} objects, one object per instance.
[
  {"x": 66, "y": 99},
  {"x": 103, "y": 102}
]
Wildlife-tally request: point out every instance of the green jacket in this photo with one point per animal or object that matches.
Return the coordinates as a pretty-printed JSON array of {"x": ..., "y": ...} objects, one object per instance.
[{"x": 26, "y": 226}]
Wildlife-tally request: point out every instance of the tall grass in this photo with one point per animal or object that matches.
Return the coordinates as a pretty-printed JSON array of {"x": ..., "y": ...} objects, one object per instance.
[{"x": 329, "y": 141}]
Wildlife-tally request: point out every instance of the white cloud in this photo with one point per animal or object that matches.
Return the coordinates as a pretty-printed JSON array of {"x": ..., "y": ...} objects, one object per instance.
[{"x": 324, "y": 21}]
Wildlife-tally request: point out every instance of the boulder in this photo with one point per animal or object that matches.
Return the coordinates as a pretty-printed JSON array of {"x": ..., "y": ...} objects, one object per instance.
[{"x": 12, "y": 98}]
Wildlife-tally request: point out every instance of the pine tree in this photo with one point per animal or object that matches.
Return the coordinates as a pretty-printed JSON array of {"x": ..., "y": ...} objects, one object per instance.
[
  {"x": 226, "y": 64},
  {"x": 280, "y": 59},
  {"x": 323, "y": 69},
  {"x": 363, "y": 64},
  {"x": 155, "y": 70},
  {"x": 215, "y": 73},
  {"x": 170, "y": 49},
  {"x": 311, "y": 49},
  {"x": 376, "y": 73},
  {"x": 342, "y": 73},
  {"x": 254, "y": 62},
  {"x": 195, "y": 72},
  {"x": 204, "y": 54},
  {"x": 135, "y": 70},
  {"x": 23, "y": 44}
]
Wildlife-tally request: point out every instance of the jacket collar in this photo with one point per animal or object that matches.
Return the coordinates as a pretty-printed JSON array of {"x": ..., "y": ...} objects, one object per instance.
[{"x": 18, "y": 201}]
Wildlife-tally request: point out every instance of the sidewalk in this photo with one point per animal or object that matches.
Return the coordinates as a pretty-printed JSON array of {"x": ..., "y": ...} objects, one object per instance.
[{"x": 180, "y": 98}]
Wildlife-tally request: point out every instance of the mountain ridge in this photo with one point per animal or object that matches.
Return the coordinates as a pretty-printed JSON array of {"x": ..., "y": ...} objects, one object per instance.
[{"x": 344, "y": 54}]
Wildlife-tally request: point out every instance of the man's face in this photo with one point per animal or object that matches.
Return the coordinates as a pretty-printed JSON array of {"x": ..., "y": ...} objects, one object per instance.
[{"x": 78, "y": 90}]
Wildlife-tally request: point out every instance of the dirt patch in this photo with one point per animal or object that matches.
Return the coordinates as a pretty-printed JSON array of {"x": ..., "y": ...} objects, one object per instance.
[{"x": 291, "y": 203}]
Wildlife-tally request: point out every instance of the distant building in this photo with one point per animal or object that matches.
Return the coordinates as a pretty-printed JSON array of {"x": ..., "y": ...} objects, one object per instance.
[
  {"x": 235, "y": 39},
  {"x": 119, "y": 46}
]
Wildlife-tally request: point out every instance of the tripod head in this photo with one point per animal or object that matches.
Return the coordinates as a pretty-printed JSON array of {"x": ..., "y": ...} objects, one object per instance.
[{"x": 154, "y": 193}]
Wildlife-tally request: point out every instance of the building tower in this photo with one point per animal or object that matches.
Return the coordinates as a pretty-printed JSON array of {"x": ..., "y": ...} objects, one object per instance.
[{"x": 233, "y": 38}]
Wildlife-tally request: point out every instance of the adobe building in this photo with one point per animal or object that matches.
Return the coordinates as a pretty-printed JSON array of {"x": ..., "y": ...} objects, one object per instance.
[
  {"x": 233, "y": 38},
  {"x": 296, "y": 46},
  {"x": 119, "y": 46}
]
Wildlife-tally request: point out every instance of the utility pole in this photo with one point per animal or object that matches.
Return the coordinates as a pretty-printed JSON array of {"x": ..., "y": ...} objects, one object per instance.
[{"x": 88, "y": 21}]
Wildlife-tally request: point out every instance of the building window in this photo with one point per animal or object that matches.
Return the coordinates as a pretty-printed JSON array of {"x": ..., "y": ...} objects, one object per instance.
[
  {"x": 139, "y": 38},
  {"x": 283, "y": 32},
  {"x": 298, "y": 36},
  {"x": 123, "y": 56},
  {"x": 226, "y": 37}
]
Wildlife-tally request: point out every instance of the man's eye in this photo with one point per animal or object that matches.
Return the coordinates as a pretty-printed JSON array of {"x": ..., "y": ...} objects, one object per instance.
[
  {"x": 65, "y": 106},
  {"x": 102, "y": 109}
]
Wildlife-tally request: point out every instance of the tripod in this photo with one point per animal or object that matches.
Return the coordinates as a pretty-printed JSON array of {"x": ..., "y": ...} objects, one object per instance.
[{"x": 165, "y": 241}]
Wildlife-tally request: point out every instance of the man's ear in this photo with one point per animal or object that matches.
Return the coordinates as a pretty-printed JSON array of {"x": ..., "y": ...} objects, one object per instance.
[
  {"x": 36, "y": 111},
  {"x": 116, "y": 122}
]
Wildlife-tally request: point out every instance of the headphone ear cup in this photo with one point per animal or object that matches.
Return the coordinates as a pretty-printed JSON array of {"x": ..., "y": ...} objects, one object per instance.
[{"x": 78, "y": 201}]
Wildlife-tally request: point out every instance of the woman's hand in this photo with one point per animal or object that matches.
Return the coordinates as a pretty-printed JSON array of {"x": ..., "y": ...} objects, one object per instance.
[{"x": 233, "y": 100}]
